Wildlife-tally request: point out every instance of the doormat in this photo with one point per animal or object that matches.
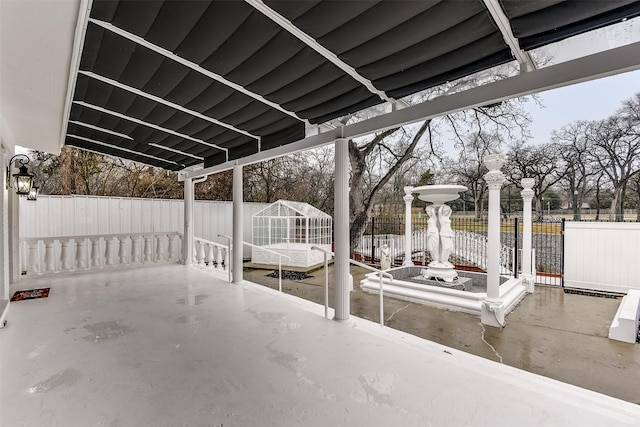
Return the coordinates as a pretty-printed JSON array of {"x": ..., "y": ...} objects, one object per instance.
[{"x": 30, "y": 294}]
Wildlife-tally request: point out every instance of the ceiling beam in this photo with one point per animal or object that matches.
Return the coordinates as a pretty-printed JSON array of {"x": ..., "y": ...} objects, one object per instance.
[
  {"x": 603, "y": 64},
  {"x": 164, "y": 147},
  {"x": 74, "y": 64},
  {"x": 109, "y": 131},
  {"x": 151, "y": 125},
  {"x": 115, "y": 147},
  {"x": 313, "y": 44},
  {"x": 501, "y": 20},
  {"x": 168, "y": 54},
  {"x": 165, "y": 102}
]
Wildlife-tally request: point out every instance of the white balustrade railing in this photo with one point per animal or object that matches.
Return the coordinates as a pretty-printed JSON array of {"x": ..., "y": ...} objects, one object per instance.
[
  {"x": 43, "y": 255},
  {"x": 380, "y": 274},
  {"x": 211, "y": 254}
]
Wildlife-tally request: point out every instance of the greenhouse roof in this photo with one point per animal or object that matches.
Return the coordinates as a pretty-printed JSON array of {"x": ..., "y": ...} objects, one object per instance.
[{"x": 288, "y": 208}]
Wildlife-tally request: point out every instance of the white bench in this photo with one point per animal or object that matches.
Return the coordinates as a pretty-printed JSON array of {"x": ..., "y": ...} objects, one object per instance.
[{"x": 625, "y": 323}]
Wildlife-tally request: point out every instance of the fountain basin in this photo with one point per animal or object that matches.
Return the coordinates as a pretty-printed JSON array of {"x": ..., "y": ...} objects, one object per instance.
[
  {"x": 439, "y": 194},
  {"x": 512, "y": 291}
]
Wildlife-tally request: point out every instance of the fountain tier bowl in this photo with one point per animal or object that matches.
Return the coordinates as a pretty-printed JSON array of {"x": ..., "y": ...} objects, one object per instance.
[{"x": 439, "y": 194}]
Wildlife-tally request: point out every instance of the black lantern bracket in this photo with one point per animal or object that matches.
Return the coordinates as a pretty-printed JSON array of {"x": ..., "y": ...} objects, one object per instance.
[{"x": 22, "y": 180}]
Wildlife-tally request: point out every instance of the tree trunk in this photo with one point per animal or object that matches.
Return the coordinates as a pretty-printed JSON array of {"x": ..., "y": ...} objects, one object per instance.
[
  {"x": 361, "y": 204},
  {"x": 616, "y": 212}
]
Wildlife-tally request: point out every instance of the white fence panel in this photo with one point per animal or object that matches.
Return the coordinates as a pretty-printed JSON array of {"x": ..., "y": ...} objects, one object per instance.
[
  {"x": 51, "y": 216},
  {"x": 602, "y": 256}
]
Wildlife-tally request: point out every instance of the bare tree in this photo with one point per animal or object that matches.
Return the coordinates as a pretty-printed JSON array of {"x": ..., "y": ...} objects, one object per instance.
[
  {"x": 617, "y": 150},
  {"x": 470, "y": 168},
  {"x": 534, "y": 161},
  {"x": 577, "y": 162}
]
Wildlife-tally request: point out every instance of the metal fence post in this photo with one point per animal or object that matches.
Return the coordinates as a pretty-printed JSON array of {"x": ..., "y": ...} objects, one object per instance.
[
  {"x": 373, "y": 240},
  {"x": 562, "y": 253},
  {"x": 515, "y": 250}
]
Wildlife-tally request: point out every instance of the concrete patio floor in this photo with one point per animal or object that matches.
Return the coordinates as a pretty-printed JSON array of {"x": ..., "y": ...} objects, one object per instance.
[
  {"x": 557, "y": 335},
  {"x": 173, "y": 345}
]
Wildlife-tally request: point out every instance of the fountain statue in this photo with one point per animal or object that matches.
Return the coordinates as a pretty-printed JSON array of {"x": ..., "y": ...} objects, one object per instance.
[{"x": 439, "y": 232}]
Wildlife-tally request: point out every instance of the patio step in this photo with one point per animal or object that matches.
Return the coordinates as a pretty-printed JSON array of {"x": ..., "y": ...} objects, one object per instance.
[{"x": 626, "y": 321}]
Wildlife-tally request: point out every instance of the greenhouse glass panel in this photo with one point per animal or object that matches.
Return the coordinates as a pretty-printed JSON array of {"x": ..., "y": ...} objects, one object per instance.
[{"x": 291, "y": 228}]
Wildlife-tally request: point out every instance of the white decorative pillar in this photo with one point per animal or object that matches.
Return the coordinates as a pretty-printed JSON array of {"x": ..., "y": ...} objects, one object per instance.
[
  {"x": 237, "y": 224},
  {"x": 493, "y": 308},
  {"x": 341, "y": 224},
  {"x": 527, "y": 270},
  {"x": 187, "y": 242},
  {"x": 408, "y": 198}
]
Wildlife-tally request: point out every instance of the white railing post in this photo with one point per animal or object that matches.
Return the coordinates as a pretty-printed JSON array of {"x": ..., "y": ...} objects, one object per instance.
[
  {"x": 381, "y": 302},
  {"x": 95, "y": 252},
  {"x": 108, "y": 250},
  {"x": 147, "y": 250},
  {"x": 159, "y": 247},
  {"x": 64, "y": 254},
  {"x": 210, "y": 255},
  {"x": 81, "y": 261},
  {"x": 49, "y": 264},
  {"x": 326, "y": 286},
  {"x": 280, "y": 274},
  {"x": 219, "y": 257},
  {"x": 122, "y": 249},
  {"x": 135, "y": 249},
  {"x": 170, "y": 247},
  {"x": 199, "y": 252},
  {"x": 32, "y": 258}
]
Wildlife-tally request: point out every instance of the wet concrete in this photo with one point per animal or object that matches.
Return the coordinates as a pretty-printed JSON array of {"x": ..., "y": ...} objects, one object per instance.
[
  {"x": 557, "y": 335},
  {"x": 143, "y": 352}
]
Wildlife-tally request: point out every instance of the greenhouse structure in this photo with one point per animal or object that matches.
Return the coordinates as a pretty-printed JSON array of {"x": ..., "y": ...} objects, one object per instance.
[{"x": 291, "y": 229}]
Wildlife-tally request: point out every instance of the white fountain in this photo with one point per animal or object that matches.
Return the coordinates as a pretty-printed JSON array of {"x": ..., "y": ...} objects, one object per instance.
[{"x": 439, "y": 232}]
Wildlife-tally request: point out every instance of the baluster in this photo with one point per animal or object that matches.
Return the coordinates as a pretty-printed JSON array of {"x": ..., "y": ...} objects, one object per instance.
[
  {"x": 219, "y": 257},
  {"x": 135, "y": 249},
  {"x": 159, "y": 248},
  {"x": 179, "y": 243},
  {"x": 95, "y": 251},
  {"x": 122, "y": 250},
  {"x": 210, "y": 256},
  {"x": 226, "y": 258},
  {"x": 81, "y": 256},
  {"x": 147, "y": 248},
  {"x": 199, "y": 252},
  {"x": 171, "y": 248},
  {"x": 64, "y": 254},
  {"x": 49, "y": 264},
  {"x": 33, "y": 261},
  {"x": 108, "y": 250}
]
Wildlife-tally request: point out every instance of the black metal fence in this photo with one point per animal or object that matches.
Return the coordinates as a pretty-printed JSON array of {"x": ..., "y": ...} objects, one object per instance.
[{"x": 470, "y": 244}]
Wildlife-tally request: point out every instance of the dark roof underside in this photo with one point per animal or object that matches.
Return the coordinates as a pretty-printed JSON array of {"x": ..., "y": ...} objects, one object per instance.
[{"x": 169, "y": 96}]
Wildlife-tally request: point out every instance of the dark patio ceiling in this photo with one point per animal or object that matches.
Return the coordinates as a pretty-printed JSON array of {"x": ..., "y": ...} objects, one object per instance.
[{"x": 211, "y": 81}]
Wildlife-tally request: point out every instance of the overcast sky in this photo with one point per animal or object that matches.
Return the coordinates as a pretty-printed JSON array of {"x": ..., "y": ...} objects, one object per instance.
[{"x": 592, "y": 100}]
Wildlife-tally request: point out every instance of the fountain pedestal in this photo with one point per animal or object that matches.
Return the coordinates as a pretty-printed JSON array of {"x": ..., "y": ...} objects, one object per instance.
[{"x": 439, "y": 232}]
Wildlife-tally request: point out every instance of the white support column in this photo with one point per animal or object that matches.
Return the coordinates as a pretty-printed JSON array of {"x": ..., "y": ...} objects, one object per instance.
[
  {"x": 493, "y": 308},
  {"x": 237, "y": 224},
  {"x": 5, "y": 249},
  {"x": 408, "y": 198},
  {"x": 187, "y": 242},
  {"x": 341, "y": 218},
  {"x": 527, "y": 270}
]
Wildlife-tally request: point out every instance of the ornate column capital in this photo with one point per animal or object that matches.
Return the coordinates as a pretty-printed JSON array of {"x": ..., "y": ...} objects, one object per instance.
[
  {"x": 408, "y": 190},
  {"x": 527, "y": 194},
  {"x": 408, "y": 198},
  {"x": 494, "y": 179},
  {"x": 494, "y": 162}
]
